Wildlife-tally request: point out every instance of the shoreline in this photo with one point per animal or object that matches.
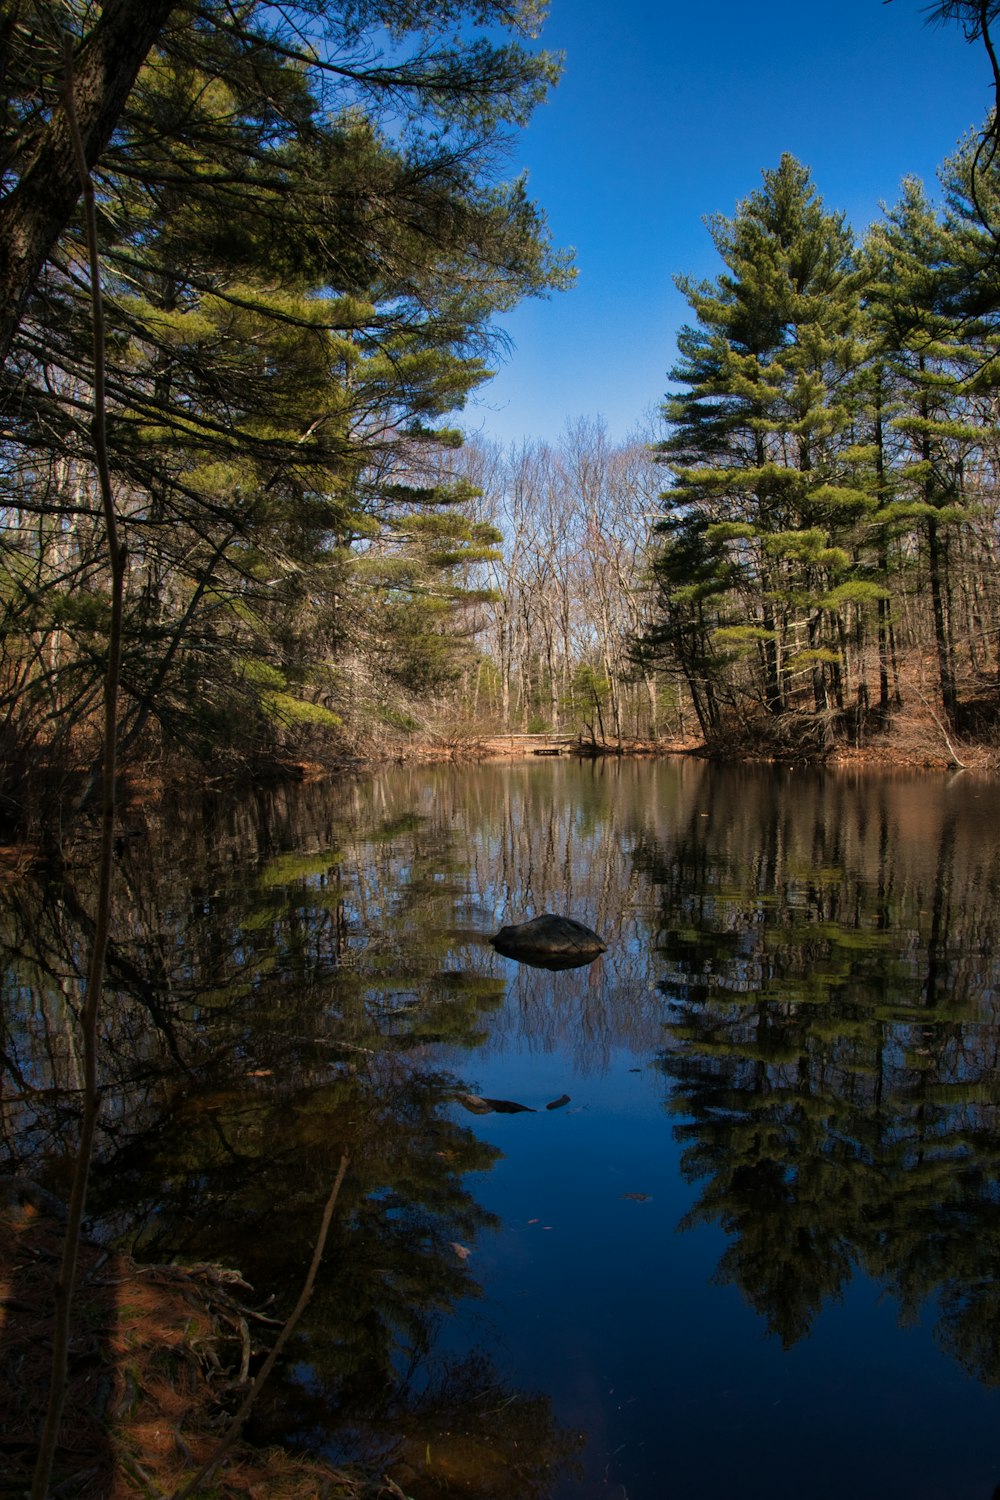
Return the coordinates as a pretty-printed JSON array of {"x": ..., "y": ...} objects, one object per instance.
[{"x": 912, "y": 744}]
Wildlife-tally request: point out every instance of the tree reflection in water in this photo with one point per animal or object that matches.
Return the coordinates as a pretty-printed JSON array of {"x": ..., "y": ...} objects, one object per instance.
[
  {"x": 812, "y": 960},
  {"x": 279, "y": 974},
  {"x": 834, "y": 1047}
]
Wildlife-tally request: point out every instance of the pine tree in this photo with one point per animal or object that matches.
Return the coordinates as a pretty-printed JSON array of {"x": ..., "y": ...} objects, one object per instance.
[
  {"x": 923, "y": 345},
  {"x": 303, "y": 257},
  {"x": 763, "y": 451}
]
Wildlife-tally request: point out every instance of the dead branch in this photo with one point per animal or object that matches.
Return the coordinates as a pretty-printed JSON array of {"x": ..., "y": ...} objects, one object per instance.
[{"x": 236, "y": 1426}]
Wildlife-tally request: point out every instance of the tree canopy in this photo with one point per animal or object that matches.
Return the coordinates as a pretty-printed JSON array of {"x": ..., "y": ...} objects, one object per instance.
[
  {"x": 305, "y": 237},
  {"x": 832, "y": 455}
]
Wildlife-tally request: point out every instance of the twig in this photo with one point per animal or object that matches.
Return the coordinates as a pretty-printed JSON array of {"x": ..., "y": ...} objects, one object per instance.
[
  {"x": 244, "y": 1328},
  {"x": 236, "y": 1426},
  {"x": 393, "y": 1488}
]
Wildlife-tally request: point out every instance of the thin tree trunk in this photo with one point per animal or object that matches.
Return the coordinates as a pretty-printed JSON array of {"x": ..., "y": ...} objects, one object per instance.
[
  {"x": 95, "y": 975},
  {"x": 946, "y": 676}
]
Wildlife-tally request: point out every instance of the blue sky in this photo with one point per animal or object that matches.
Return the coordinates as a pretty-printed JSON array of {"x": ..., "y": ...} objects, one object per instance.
[{"x": 670, "y": 111}]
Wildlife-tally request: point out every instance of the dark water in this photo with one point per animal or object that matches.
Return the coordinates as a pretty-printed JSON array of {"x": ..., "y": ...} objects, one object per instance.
[{"x": 755, "y": 1254}]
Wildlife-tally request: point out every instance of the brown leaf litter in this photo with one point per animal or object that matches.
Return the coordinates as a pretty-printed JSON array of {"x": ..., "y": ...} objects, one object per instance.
[{"x": 159, "y": 1359}]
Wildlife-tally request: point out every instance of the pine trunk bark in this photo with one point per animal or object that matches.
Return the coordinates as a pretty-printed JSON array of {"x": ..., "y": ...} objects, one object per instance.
[{"x": 37, "y": 210}]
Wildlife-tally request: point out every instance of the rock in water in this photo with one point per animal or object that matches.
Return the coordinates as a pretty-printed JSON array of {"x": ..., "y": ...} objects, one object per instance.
[{"x": 549, "y": 942}]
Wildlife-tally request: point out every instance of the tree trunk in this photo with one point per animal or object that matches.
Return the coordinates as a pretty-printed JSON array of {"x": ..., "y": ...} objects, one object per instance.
[
  {"x": 654, "y": 727},
  {"x": 35, "y": 213},
  {"x": 946, "y": 676}
]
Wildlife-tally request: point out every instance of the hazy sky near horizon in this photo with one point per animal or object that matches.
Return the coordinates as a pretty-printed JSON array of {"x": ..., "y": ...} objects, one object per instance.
[{"x": 670, "y": 111}]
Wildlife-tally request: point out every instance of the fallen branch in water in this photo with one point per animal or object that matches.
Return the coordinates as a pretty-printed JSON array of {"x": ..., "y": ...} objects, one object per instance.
[
  {"x": 156, "y": 1352},
  {"x": 236, "y": 1426}
]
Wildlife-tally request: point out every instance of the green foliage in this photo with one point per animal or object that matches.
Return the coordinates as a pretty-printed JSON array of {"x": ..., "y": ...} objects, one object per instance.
[
  {"x": 763, "y": 504},
  {"x": 742, "y": 634},
  {"x": 303, "y": 250},
  {"x": 833, "y": 417},
  {"x": 292, "y": 711}
]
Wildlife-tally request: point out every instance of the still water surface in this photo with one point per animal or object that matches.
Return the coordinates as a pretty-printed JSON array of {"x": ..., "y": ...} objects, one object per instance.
[{"x": 755, "y": 1253}]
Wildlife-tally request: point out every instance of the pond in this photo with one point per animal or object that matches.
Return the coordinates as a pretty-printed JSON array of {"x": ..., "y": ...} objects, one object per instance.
[{"x": 743, "y": 1236}]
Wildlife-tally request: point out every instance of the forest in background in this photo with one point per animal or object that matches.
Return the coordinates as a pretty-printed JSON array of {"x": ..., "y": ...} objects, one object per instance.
[
  {"x": 803, "y": 548},
  {"x": 305, "y": 242},
  {"x": 304, "y": 236}
]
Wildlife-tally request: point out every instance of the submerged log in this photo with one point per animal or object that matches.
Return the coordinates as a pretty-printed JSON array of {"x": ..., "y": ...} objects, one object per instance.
[
  {"x": 549, "y": 942},
  {"x": 477, "y": 1105}
]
